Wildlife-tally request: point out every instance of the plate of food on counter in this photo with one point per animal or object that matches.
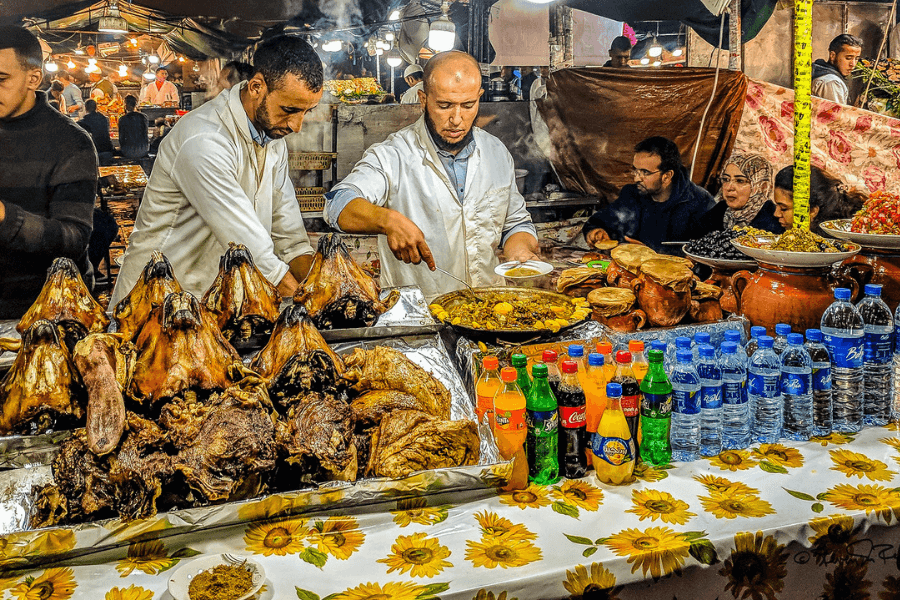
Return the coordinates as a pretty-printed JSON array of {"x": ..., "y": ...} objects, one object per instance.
[
  {"x": 875, "y": 225},
  {"x": 795, "y": 247},
  {"x": 716, "y": 250}
]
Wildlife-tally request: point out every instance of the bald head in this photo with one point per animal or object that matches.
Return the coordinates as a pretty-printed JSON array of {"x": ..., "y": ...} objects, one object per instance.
[
  {"x": 451, "y": 68},
  {"x": 452, "y": 87}
]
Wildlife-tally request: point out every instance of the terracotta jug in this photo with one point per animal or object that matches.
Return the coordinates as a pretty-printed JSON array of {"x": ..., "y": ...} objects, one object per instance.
[
  {"x": 628, "y": 322},
  {"x": 794, "y": 295},
  {"x": 874, "y": 265}
]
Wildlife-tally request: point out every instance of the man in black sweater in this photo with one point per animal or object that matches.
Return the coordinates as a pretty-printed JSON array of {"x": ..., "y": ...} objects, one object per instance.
[
  {"x": 48, "y": 179},
  {"x": 133, "y": 128},
  {"x": 662, "y": 204},
  {"x": 98, "y": 126}
]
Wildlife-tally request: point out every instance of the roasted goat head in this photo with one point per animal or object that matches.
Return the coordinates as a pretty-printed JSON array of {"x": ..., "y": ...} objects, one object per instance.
[
  {"x": 42, "y": 390},
  {"x": 244, "y": 302},
  {"x": 318, "y": 434},
  {"x": 157, "y": 281},
  {"x": 180, "y": 348},
  {"x": 337, "y": 292},
  {"x": 66, "y": 300}
]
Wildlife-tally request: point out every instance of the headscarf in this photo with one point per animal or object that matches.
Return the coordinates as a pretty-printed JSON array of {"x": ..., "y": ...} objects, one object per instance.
[{"x": 760, "y": 173}]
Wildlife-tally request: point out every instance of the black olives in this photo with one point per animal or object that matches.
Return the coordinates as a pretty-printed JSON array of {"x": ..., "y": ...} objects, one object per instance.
[{"x": 717, "y": 245}]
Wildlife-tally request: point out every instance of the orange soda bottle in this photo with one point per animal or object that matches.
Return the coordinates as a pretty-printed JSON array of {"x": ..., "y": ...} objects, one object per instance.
[
  {"x": 613, "y": 448},
  {"x": 594, "y": 385},
  {"x": 509, "y": 415},
  {"x": 609, "y": 364},
  {"x": 486, "y": 388},
  {"x": 639, "y": 364}
]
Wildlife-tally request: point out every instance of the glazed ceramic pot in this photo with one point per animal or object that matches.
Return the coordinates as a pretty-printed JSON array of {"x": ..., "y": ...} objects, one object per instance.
[
  {"x": 625, "y": 323},
  {"x": 706, "y": 311},
  {"x": 664, "y": 306},
  {"x": 722, "y": 278},
  {"x": 794, "y": 295},
  {"x": 874, "y": 265}
]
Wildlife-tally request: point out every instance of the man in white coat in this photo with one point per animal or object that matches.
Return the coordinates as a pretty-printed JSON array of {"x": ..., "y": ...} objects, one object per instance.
[
  {"x": 160, "y": 91},
  {"x": 439, "y": 191},
  {"x": 222, "y": 176}
]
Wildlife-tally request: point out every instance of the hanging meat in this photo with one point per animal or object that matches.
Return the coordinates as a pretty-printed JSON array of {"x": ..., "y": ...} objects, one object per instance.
[
  {"x": 157, "y": 281},
  {"x": 317, "y": 434},
  {"x": 244, "y": 302},
  {"x": 66, "y": 300},
  {"x": 42, "y": 390},
  {"x": 181, "y": 348},
  {"x": 337, "y": 292}
]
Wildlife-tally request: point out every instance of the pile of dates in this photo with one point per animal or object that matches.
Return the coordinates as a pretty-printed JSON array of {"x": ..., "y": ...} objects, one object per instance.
[{"x": 717, "y": 245}]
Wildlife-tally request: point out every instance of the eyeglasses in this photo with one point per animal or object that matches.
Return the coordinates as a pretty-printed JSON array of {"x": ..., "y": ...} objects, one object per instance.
[
  {"x": 737, "y": 181},
  {"x": 643, "y": 173}
]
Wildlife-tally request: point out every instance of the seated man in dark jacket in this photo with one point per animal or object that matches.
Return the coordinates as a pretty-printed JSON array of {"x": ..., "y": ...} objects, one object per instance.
[
  {"x": 98, "y": 126},
  {"x": 661, "y": 205},
  {"x": 133, "y": 127}
]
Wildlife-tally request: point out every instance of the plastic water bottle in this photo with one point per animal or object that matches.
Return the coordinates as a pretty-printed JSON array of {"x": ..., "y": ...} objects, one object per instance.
[
  {"x": 843, "y": 330},
  {"x": 796, "y": 388},
  {"x": 710, "y": 401},
  {"x": 755, "y": 332},
  {"x": 781, "y": 332},
  {"x": 821, "y": 380},
  {"x": 700, "y": 338},
  {"x": 731, "y": 335},
  {"x": 878, "y": 344},
  {"x": 685, "y": 408},
  {"x": 681, "y": 343},
  {"x": 764, "y": 375},
  {"x": 662, "y": 347},
  {"x": 895, "y": 397},
  {"x": 735, "y": 405}
]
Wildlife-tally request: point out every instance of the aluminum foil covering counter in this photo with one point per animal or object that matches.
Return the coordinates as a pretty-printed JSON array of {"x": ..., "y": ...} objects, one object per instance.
[
  {"x": 8, "y": 330},
  {"x": 428, "y": 352}
]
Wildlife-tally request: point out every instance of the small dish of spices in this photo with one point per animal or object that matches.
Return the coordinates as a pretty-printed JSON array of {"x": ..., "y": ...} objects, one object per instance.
[{"x": 217, "y": 577}]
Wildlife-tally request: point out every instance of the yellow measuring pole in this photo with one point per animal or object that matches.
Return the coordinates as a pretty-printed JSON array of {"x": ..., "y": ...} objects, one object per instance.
[{"x": 802, "y": 108}]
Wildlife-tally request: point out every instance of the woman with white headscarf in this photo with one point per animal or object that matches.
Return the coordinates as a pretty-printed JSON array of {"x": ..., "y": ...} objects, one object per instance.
[{"x": 745, "y": 196}]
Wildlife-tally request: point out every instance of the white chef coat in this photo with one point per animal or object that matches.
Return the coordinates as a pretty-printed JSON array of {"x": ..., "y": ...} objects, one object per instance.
[
  {"x": 208, "y": 188},
  {"x": 411, "y": 96},
  {"x": 831, "y": 87},
  {"x": 404, "y": 173},
  {"x": 167, "y": 93}
]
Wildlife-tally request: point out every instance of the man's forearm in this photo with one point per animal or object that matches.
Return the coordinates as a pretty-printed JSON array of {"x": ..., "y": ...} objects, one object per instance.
[
  {"x": 361, "y": 216},
  {"x": 301, "y": 265},
  {"x": 520, "y": 244}
]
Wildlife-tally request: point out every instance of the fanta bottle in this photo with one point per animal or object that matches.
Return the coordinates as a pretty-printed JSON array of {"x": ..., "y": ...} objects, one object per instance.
[
  {"x": 509, "y": 415},
  {"x": 486, "y": 388},
  {"x": 613, "y": 447},
  {"x": 594, "y": 396},
  {"x": 639, "y": 365},
  {"x": 609, "y": 363}
]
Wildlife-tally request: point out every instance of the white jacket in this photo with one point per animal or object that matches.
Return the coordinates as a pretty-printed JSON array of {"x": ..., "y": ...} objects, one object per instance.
[
  {"x": 206, "y": 191},
  {"x": 830, "y": 87},
  {"x": 404, "y": 173},
  {"x": 167, "y": 93}
]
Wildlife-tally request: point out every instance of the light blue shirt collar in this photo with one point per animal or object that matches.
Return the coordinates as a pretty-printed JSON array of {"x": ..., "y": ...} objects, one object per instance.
[{"x": 259, "y": 137}]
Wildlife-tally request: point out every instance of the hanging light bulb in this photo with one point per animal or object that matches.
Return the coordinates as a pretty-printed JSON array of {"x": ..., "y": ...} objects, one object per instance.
[
  {"x": 79, "y": 50},
  {"x": 70, "y": 65},
  {"x": 389, "y": 36},
  {"x": 51, "y": 67},
  {"x": 655, "y": 49},
  {"x": 180, "y": 59},
  {"x": 442, "y": 33},
  {"x": 394, "y": 60},
  {"x": 196, "y": 68},
  {"x": 645, "y": 61},
  {"x": 678, "y": 52},
  {"x": 148, "y": 74},
  {"x": 92, "y": 62},
  {"x": 134, "y": 42},
  {"x": 123, "y": 70},
  {"x": 394, "y": 15},
  {"x": 332, "y": 46},
  {"x": 656, "y": 63},
  {"x": 153, "y": 59},
  {"x": 112, "y": 21}
]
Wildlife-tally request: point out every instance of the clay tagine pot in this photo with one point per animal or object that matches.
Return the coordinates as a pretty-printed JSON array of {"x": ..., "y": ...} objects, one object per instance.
[{"x": 873, "y": 265}]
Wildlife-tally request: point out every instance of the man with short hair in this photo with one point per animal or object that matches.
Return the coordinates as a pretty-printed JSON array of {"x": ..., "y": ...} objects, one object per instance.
[
  {"x": 619, "y": 53},
  {"x": 97, "y": 125},
  {"x": 662, "y": 205},
  {"x": 829, "y": 78},
  {"x": 48, "y": 179},
  {"x": 133, "y": 126},
  {"x": 72, "y": 95},
  {"x": 160, "y": 91},
  {"x": 106, "y": 87},
  {"x": 440, "y": 190},
  {"x": 413, "y": 77},
  {"x": 221, "y": 176}
]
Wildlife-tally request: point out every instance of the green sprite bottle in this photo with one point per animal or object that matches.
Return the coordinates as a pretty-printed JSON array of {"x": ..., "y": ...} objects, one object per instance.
[
  {"x": 656, "y": 413},
  {"x": 542, "y": 419},
  {"x": 520, "y": 362}
]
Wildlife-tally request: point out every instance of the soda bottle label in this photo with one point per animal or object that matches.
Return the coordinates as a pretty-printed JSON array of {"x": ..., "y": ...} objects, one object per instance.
[
  {"x": 878, "y": 348},
  {"x": 613, "y": 450},
  {"x": 821, "y": 377},
  {"x": 796, "y": 384},
  {"x": 711, "y": 396},
  {"x": 655, "y": 406},
  {"x": 846, "y": 352},
  {"x": 485, "y": 406},
  {"x": 733, "y": 392},
  {"x": 763, "y": 385},
  {"x": 572, "y": 417},
  {"x": 631, "y": 406},
  {"x": 686, "y": 402},
  {"x": 544, "y": 423},
  {"x": 510, "y": 420}
]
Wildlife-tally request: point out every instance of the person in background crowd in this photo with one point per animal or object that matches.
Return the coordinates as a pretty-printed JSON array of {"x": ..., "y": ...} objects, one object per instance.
[
  {"x": 106, "y": 87},
  {"x": 55, "y": 96},
  {"x": 413, "y": 77},
  {"x": 72, "y": 95},
  {"x": 662, "y": 204},
  {"x": 98, "y": 126},
  {"x": 48, "y": 179},
  {"x": 133, "y": 129},
  {"x": 619, "y": 53},
  {"x": 233, "y": 73},
  {"x": 829, "y": 78},
  {"x": 160, "y": 91},
  {"x": 829, "y": 198},
  {"x": 745, "y": 197},
  {"x": 160, "y": 131}
]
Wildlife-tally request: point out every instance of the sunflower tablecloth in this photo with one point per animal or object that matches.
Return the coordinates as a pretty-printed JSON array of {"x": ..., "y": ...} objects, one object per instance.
[{"x": 799, "y": 520}]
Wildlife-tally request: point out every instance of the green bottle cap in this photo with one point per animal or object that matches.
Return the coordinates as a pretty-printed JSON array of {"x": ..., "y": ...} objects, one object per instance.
[
  {"x": 519, "y": 360},
  {"x": 539, "y": 370},
  {"x": 656, "y": 356}
]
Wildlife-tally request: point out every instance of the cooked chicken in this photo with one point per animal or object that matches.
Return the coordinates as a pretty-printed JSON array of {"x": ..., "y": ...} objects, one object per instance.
[
  {"x": 318, "y": 432},
  {"x": 371, "y": 407},
  {"x": 244, "y": 302},
  {"x": 157, "y": 281},
  {"x": 42, "y": 390},
  {"x": 337, "y": 292},
  {"x": 385, "y": 368},
  {"x": 64, "y": 297}
]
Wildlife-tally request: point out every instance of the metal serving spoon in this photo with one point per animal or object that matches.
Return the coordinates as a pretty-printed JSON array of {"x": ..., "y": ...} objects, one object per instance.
[{"x": 465, "y": 283}]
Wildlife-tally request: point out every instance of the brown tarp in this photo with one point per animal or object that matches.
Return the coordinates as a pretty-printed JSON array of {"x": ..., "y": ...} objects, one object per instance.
[{"x": 596, "y": 116}]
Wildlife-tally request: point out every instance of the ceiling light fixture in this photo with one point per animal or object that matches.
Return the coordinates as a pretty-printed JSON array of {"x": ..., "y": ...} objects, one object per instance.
[
  {"x": 394, "y": 15},
  {"x": 332, "y": 46},
  {"x": 92, "y": 62},
  {"x": 645, "y": 61},
  {"x": 442, "y": 33},
  {"x": 112, "y": 21},
  {"x": 389, "y": 36},
  {"x": 51, "y": 67},
  {"x": 656, "y": 63},
  {"x": 148, "y": 74},
  {"x": 70, "y": 65},
  {"x": 123, "y": 71},
  {"x": 655, "y": 49},
  {"x": 678, "y": 52},
  {"x": 394, "y": 60},
  {"x": 153, "y": 59}
]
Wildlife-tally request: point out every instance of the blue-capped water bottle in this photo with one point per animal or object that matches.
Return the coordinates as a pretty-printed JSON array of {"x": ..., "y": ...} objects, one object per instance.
[
  {"x": 878, "y": 346},
  {"x": 700, "y": 338},
  {"x": 781, "y": 332},
  {"x": 662, "y": 347},
  {"x": 844, "y": 330},
  {"x": 735, "y": 404},
  {"x": 755, "y": 332},
  {"x": 730, "y": 335},
  {"x": 821, "y": 380},
  {"x": 796, "y": 389},
  {"x": 681, "y": 343},
  {"x": 763, "y": 384},
  {"x": 685, "y": 408},
  {"x": 710, "y": 401}
]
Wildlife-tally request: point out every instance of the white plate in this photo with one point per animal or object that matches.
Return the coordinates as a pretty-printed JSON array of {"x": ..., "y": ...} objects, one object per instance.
[
  {"x": 181, "y": 578},
  {"x": 840, "y": 228},
  {"x": 720, "y": 263},
  {"x": 785, "y": 258},
  {"x": 542, "y": 268}
]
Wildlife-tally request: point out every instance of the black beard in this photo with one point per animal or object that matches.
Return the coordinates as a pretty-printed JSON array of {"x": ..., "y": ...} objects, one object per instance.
[
  {"x": 443, "y": 144},
  {"x": 262, "y": 121}
]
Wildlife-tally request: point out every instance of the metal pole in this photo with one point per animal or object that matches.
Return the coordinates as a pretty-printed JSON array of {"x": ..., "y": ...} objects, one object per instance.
[
  {"x": 378, "y": 69},
  {"x": 802, "y": 108},
  {"x": 392, "y": 81},
  {"x": 734, "y": 35}
]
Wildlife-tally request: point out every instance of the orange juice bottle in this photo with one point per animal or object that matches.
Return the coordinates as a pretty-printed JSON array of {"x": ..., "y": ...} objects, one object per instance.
[
  {"x": 639, "y": 364},
  {"x": 594, "y": 386},
  {"x": 486, "y": 389},
  {"x": 609, "y": 364},
  {"x": 509, "y": 415},
  {"x": 613, "y": 446}
]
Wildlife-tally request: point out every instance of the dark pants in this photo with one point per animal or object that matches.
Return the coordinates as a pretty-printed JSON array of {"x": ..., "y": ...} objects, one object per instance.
[{"x": 105, "y": 231}]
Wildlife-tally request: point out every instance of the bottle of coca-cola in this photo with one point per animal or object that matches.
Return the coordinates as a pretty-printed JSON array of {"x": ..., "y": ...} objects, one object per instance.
[{"x": 572, "y": 421}]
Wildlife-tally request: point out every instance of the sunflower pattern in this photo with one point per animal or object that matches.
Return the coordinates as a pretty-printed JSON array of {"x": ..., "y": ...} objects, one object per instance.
[
  {"x": 489, "y": 595},
  {"x": 870, "y": 498},
  {"x": 52, "y": 584},
  {"x": 590, "y": 583},
  {"x": 36, "y": 543},
  {"x": 150, "y": 557},
  {"x": 534, "y": 496},
  {"x": 417, "y": 554},
  {"x": 503, "y": 544},
  {"x": 650, "y": 473},
  {"x": 834, "y": 437},
  {"x": 778, "y": 458},
  {"x": 734, "y": 460},
  {"x": 833, "y": 538},
  {"x": 656, "y": 550},
  {"x": 576, "y": 494},
  {"x": 756, "y": 568},
  {"x": 732, "y": 501},
  {"x": 495, "y": 526},
  {"x": 416, "y": 510},
  {"x": 657, "y": 505},
  {"x": 129, "y": 593},
  {"x": 280, "y": 537},
  {"x": 854, "y": 464}
]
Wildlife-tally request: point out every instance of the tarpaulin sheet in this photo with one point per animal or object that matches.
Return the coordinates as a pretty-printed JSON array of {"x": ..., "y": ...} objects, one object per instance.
[{"x": 595, "y": 117}]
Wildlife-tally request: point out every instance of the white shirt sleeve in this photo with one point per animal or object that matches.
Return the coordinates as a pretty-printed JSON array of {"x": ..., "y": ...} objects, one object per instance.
[
  {"x": 288, "y": 232},
  {"x": 517, "y": 216},
  {"x": 369, "y": 177},
  {"x": 831, "y": 88}
]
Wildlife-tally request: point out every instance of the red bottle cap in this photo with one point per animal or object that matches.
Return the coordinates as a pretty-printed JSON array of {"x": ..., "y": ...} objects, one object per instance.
[
  {"x": 623, "y": 357},
  {"x": 636, "y": 346},
  {"x": 508, "y": 374},
  {"x": 604, "y": 347},
  {"x": 490, "y": 363},
  {"x": 569, "y": 366},
  {"x": 549, "y": 356}
]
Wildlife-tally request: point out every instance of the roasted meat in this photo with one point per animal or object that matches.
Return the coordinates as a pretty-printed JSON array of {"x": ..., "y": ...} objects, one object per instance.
[
  {"x": 318, "y": 432},
  {"x": 337, "y": 292},
  {"x": 181, "y": 348},
  {"x": 385, "y": 368},
  {"x": 157, "y": 281},
  {"x": 42, "y": 390},
  {"x": 407, "y": 441},
  {"x": 371, "y": 407},
  {"x": 65, "y": 298},
  {"x": 244, "y": 302}
]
